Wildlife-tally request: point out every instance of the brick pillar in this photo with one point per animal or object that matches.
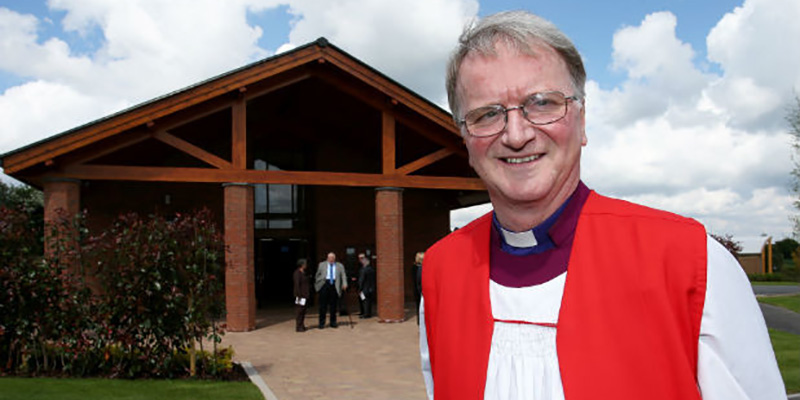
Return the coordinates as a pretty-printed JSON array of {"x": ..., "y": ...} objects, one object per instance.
[
  {"x": 62, "y": 199},
  {"x": 240, "y": 290},
  {"x": 389, "y": 248}
]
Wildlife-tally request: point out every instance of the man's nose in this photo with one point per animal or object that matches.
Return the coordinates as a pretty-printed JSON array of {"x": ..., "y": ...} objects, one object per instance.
[{"x": 519, "y": 130}]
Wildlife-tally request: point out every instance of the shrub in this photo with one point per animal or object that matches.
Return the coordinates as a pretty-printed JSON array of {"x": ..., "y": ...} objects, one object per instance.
[{"x": 157, "y": 289}]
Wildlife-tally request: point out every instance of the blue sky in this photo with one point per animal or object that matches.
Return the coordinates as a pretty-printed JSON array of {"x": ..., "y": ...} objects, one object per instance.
[
  {"x": 685, "y": 101},
  {"x": 590, "y": 24}
]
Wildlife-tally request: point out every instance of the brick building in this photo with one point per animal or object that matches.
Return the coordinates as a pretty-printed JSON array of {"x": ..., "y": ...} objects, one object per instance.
[
  {"x": 756, "y": 254},
  {"x": 299, "y": 154}
]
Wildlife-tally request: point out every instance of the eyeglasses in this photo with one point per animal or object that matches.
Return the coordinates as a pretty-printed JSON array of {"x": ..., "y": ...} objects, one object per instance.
[{"x": 539, "y": 109}]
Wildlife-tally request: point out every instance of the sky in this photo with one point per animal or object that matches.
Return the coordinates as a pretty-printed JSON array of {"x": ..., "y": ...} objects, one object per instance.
[{"x": 686, "y": 100}]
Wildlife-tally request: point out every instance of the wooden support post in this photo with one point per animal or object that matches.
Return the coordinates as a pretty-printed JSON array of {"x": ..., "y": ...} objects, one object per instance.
[
  {"x": 239, "y": 133},
  {"x": 388, "y": 144},
  {"x": 389, "y": 248}
]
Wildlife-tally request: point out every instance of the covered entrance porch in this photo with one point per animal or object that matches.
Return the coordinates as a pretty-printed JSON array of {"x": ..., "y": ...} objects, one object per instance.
[{"x": 297, "y": 155}]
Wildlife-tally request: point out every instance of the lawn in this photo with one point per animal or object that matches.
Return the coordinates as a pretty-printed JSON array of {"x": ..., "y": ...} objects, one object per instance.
[
  {"x": 787, "y": 351},
  {"x": 790, "y": 302},
  {"x": 88, "y": 389}
]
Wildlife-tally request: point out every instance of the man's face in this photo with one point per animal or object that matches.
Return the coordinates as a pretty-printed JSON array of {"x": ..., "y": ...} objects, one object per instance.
[
  {"x": 331, "y": 257},
  {"x": 525, "y": 164},
  {"x": 362, "y": 259}
]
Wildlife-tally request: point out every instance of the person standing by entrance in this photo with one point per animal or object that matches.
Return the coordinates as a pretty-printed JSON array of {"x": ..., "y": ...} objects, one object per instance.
[
  {"x": 329, "y": 281},
  {"x": 301, "y": 292},
  {"x": 366, "y": 282},
  {"x": 416, "y": 271}
]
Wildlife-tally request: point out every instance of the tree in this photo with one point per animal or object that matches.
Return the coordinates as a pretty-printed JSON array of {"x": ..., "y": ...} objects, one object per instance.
[
  {"x": 786, "y": 247},
  {"x": 782, "y": 251},
  {"x": 16, "y": 196},
  {"x": 727, "y": 241},
  {"x": 26, "y": 200},
  {"x": 794, "y": 123}
]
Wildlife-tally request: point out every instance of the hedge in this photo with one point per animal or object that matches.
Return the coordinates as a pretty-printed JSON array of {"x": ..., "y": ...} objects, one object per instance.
[{"x": 131, "y": 301}]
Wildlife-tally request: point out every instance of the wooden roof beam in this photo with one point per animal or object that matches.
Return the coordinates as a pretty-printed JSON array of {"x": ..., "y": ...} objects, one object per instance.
[
  {"x": 132, "y": 118},
  {"x": 383, "y": 103},
  {"x": 424, "y": 161},
  {"x": 191, "y": 149},
  {"x": 212, "y": 175},
  {"x": 133, "y": 139},
  {"x": 254, "y": 92},
  {"x": 391, "y": 89}
]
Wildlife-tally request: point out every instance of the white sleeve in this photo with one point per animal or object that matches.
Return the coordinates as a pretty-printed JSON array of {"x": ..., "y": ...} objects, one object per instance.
[
  {"x": 735, "y": 357},
  {"x": 423, "y": 351}
]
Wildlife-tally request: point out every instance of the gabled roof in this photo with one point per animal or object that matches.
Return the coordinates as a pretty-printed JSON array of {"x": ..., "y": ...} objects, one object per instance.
[
  {"x": 320, "y": 51},
  {"x": 752, "y": 244}
]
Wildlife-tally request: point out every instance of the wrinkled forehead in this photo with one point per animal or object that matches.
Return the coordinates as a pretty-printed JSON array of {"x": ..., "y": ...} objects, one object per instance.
[{"x": 539, "y": 63}]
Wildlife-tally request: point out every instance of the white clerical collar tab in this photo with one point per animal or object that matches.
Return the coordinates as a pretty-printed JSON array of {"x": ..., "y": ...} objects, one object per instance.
[{"x": 519, "y": 239}]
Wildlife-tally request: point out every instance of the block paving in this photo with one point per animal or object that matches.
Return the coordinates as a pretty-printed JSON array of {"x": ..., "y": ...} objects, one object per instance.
[{"x": 361, "y": 359}]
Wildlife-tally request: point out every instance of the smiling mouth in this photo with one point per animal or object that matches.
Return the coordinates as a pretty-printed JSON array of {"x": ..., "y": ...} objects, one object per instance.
[{"x": 521, "y": 160}]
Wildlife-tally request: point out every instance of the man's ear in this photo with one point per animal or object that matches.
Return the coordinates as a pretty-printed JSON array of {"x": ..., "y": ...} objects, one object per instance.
[{"x": 584, "y": 139}]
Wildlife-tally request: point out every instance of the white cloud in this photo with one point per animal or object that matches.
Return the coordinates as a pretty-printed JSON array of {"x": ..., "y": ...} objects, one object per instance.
[
  {"x": 147, "y": 49},
  {"x": 151, "y": 47},
  {"x": 38, "y": 109},
  {"x": 407, "y": 40},
  {"x": 755, "y": 46},
  {"x": 673, "y": 135},
  {"x": 724, "y": 211},
  {"x": 676, "y": 137},
  {"x": 660, "y": 69}
]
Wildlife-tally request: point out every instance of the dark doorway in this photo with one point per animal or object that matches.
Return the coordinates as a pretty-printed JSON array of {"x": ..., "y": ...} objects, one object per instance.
[{"x": 276, "y": 260}]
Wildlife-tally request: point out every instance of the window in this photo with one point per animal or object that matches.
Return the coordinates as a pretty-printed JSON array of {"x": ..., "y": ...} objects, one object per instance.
[{"x": 277, "y": 206}]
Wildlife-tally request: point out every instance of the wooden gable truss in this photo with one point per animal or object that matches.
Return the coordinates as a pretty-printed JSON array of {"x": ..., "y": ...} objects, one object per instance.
[{"x": 66, "y": 155}]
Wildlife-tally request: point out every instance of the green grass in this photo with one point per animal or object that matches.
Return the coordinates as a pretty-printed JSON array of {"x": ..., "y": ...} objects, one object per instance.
[
  {"x": 89, "y": 389},
  {"x": 787, "y": 351},
  {"x": 786, "y": 345},
  {"x": 791, "y": 302}
]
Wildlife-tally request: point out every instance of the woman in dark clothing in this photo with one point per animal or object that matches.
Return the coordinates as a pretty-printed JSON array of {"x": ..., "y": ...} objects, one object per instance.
[
  {"x": 301, "y": 293},
  {"x": 417, "y": 271}
]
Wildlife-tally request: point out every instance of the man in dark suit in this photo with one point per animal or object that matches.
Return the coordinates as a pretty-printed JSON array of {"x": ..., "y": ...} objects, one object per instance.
[
  {"x": 301, "y": 293},
  {"x": 366, "y": 282},
  {"x": 330, "y": 281}
]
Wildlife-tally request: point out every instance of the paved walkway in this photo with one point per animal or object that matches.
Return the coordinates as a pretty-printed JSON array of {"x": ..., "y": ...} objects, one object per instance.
[
  {"x": 773, "y": 290},
  {"x": 362, "y": 360},
  {"x": 780, "y": 318},
  {"x": 777, "y": 317}
]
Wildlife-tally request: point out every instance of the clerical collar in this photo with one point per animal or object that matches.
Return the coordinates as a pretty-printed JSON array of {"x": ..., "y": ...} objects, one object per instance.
[
  {"x": 542, "y": 237},
  {"x": 533, "y": 265}
]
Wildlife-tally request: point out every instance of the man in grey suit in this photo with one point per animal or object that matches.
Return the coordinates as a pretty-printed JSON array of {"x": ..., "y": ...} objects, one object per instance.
[{"x": 329, "y": 282}]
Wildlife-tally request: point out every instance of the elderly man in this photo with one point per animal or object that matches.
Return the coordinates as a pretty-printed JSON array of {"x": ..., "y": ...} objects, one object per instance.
[
  {"x": 329, "y": 281},
  {"x": 561, "y": 293}
]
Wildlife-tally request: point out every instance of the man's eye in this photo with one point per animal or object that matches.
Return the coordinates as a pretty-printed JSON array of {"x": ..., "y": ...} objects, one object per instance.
[
  {"x": 483, "y": 116},
  {"x": 544, "y": 102}
]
